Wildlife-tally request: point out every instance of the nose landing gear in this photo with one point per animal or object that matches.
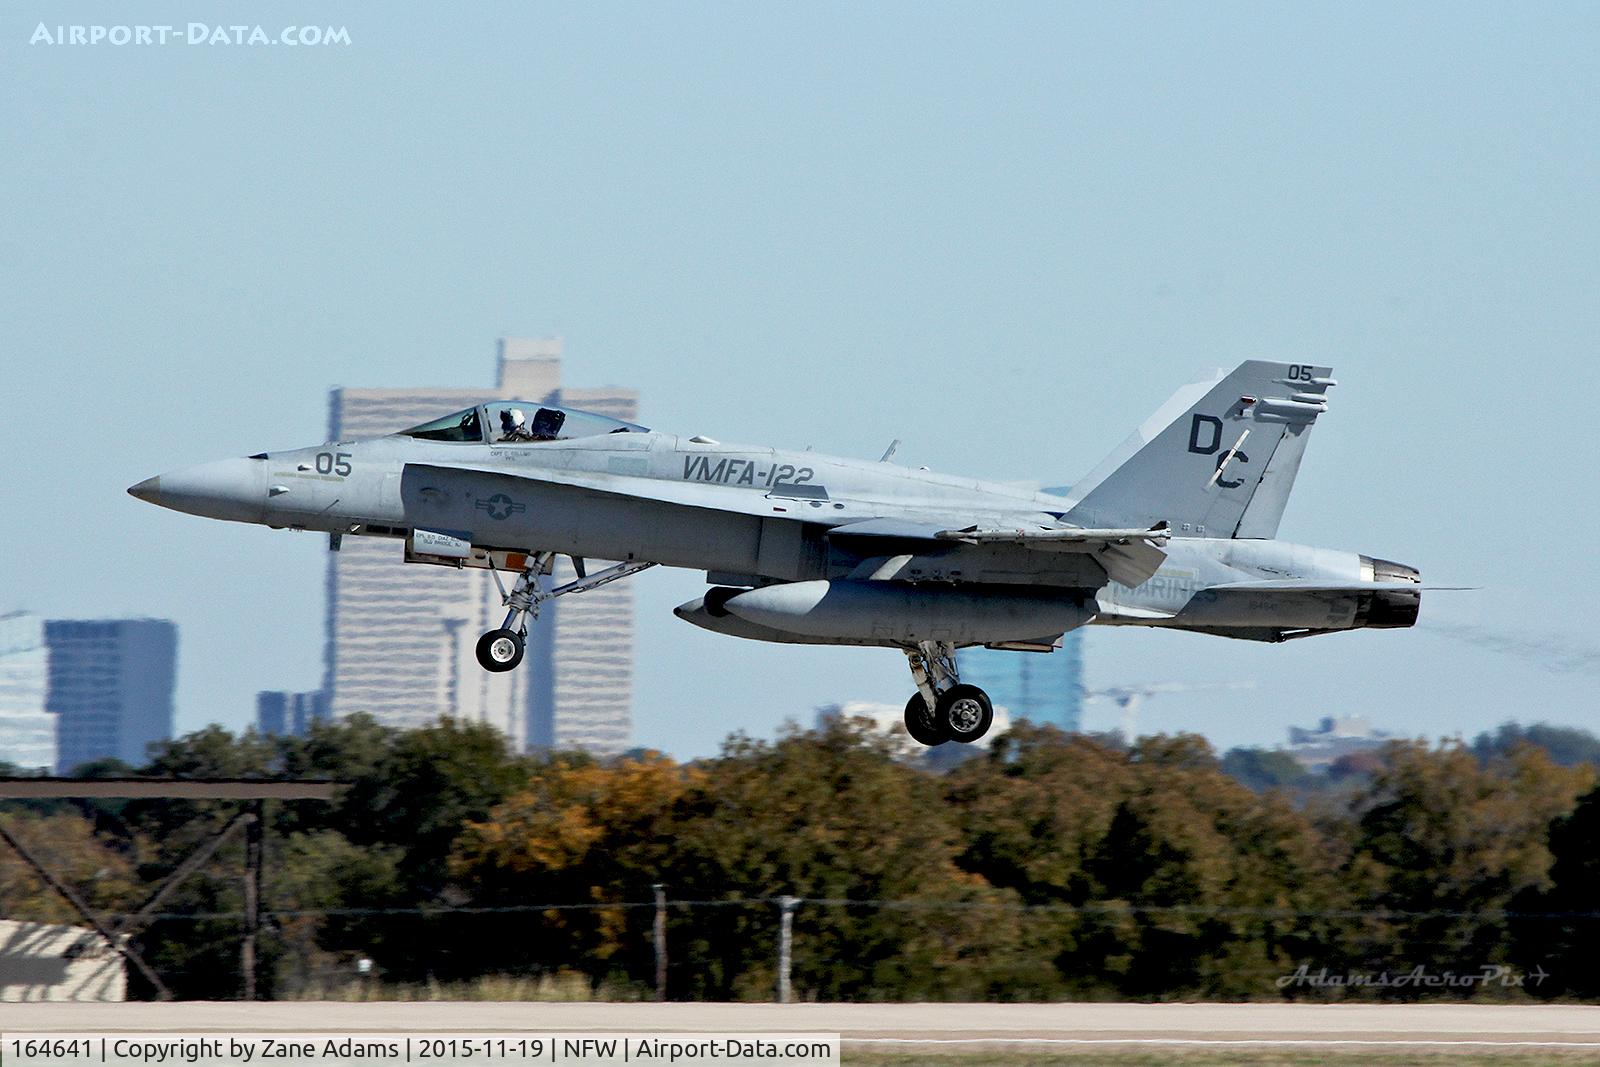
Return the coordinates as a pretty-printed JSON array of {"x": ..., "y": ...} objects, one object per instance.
[
  {"x": 943, "y": 708},
  {"x": 502, "y": 649}
]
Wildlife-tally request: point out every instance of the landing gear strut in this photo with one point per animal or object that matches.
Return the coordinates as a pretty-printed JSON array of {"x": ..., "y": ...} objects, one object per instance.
[
  {"x": 943, "y": 708},
  {"x": 502, "y": 649}
]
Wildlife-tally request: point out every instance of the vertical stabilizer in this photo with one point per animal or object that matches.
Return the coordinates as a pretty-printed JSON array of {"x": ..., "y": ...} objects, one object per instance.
[{"x": 1216, "y": 460}]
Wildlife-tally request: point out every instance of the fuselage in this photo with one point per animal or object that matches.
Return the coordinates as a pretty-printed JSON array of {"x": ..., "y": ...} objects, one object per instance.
[{"x": 749, "y": 516}]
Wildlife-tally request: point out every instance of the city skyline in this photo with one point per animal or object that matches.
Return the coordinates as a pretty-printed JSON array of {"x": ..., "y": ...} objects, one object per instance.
[
  {"x": 110, "y": 687},
  {"x": 1000, "y": 236},
  {"x": 27, "y": 727}
]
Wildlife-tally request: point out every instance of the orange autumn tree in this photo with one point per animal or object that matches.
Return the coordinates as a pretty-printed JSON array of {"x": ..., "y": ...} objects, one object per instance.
[{"x": 580, "y": 831}]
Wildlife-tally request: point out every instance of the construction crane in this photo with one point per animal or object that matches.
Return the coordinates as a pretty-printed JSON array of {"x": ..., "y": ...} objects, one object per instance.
[{"x": 1130, "y": 697}]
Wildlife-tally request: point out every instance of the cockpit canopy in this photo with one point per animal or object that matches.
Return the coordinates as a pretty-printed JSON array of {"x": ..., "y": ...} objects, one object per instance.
[{"x": 513, "y": 421}]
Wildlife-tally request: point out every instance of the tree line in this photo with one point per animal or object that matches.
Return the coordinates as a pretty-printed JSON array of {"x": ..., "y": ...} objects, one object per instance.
[{"x": 1050, "y": 866}]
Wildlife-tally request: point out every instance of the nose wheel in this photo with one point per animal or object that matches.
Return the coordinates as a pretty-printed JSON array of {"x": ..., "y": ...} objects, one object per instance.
[
  {"x": 502, "y": 649},
  {"x": 944, "y": 708}
]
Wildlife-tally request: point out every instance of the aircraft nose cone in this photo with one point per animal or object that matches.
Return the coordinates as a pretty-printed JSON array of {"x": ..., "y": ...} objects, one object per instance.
[{"x": 232, "y": 489}]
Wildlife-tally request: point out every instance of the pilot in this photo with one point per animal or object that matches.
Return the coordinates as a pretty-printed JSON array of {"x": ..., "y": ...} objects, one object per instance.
[
  {"x": 547, "y": 424},
  {"x": 514, "y": 426}
]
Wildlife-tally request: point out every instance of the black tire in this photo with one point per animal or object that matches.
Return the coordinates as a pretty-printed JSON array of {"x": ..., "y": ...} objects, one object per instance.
[
  {"x": 965, "y": 713},
  {"x": 921, "y": 725},
  {"x": 495, "y": 654}
]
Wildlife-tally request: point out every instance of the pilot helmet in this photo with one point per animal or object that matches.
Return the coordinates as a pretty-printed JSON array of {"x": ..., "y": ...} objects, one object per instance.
[{"x": 516, "y": 416}]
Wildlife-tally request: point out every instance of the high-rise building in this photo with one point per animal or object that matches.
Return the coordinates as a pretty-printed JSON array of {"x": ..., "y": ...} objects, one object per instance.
[
  {"x": 1032, "y": 686},
  {"x": 279, "y": 713},
  {"x": 1334, "y": 737},
  {"x": 27, "y": 729},
  {"x": 401, "y": 638},
  {"x": 111, "y": 685}
]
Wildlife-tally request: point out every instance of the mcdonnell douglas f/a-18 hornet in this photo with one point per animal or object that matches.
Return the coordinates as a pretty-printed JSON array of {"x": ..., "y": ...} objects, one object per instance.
[{"x": 1176, "y": 528}]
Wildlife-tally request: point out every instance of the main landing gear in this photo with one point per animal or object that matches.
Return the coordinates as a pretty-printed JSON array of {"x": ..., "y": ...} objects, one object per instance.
[
  {"x": 502, "y": 649},
  {"x": 943, "y": 708}
]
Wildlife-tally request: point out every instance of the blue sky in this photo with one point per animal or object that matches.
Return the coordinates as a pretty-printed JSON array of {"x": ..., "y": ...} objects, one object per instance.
[{"x": 1003, "y": 233}]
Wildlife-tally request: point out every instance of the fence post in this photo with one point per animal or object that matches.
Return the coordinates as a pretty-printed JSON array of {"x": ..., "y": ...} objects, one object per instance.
[
  {"x": 786, "y": 905},
  {"x": 661, "y": 940},
  {"x": 252, "y": 895}
]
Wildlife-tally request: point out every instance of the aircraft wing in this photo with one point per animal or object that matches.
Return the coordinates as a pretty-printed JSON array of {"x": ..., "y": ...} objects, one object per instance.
[
  {"x": 915, "y": 523},
  {"x": 687, "y": 494},
  {"x": 1129, "y": 556}
]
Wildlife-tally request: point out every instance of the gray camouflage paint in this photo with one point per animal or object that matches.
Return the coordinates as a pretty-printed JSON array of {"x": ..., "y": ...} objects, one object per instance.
[{"x": 1215, "y": 464}]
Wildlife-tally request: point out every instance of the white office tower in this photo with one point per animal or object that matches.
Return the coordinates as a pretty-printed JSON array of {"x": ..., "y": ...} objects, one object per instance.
[
  {"x": 27, "y": 729},
  {"x": 401, "y": 637}
]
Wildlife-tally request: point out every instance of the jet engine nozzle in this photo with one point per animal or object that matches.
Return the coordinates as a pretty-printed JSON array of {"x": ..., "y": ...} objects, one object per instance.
[{"x": 1389, "y": 608}]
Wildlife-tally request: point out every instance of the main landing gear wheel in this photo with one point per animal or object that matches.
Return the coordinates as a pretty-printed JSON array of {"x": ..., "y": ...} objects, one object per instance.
[
  {"x": 960, "y": 712},
  {"x": 921, "y": 724},
  {"x": 965, "y": 713},
  {"x": 500, "y": 650}
]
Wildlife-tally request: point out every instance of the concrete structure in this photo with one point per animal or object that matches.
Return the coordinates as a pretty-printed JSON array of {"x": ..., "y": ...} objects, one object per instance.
[
  {"x": 42, "y": 962},
  {"x": 111, "y": 685},
  {"x": 279, "y": 713},
  {"x": 401, "y": 638},
  {"x": 1043, "y": 688},
  {"x": 1335, "y": 736},
  {"x": 27, "y": 729}
]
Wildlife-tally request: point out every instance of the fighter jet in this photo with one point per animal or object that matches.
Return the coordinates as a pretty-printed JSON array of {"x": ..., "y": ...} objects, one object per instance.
[{"x": 1175, "y": 529}]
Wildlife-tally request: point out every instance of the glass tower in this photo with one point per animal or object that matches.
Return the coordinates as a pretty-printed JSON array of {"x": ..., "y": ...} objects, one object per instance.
[{"x": 1039, "y": 687}]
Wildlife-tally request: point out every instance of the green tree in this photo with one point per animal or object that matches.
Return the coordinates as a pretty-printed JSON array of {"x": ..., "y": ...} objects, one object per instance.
[
  {"x": 1451, "y": 843},
  {"x": 835, "y": 818},
  {"x": 1565, "y": 745},
  {"x": 1264, "y": 768},
  {"x": 1555, "y": 927},
  {"x": 65, "y": 843},
  {"x": 328, "y": 896},
  {"x": 1155, "y": 874}
]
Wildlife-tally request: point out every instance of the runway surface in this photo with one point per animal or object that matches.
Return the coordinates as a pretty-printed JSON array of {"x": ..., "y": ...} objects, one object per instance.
[{"x": 886, "y": 1026}]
